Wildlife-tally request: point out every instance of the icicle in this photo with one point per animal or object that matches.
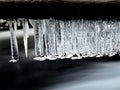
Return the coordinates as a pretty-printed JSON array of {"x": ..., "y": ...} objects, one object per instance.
[
  {"x": 74, "y": 39},
  {"x": 62, "y": 42},
  {"x": 42, "y": 39},
  {"x": 38, "y": 38},
  {"x": 15, "y": 24},
  {"x": 13, "y": 40},
  {"x": 67, "y": 39},
  {"x": 25, "y": 35},
  {"x": 51, "y": 39},
  {"x": 58, "y": 38}
]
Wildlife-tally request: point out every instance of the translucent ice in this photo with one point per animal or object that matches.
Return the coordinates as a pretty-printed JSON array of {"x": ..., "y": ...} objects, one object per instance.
[
  {"x": 13, "y": 40},
  {"x": 76, "y": 39},
  {"x": 25, "y": 35},
  {"x": 73, "y": 39},
  {"x": 39, "y": 37}
]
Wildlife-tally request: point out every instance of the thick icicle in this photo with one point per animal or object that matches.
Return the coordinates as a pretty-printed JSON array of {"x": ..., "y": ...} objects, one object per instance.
[
  {"x": 67, "y": 38},
  {"x": 51, "y": 39},
  {"x": 58, "y": 38},
  {"x": 25, "y": 35},
  {"x": 74, "y": 38},
  {"x": 38, "y": 26},
  {"x": 13, "y": 40},
  {"x": 62, "y": 42},
  {"x": 48, "y": 30}
]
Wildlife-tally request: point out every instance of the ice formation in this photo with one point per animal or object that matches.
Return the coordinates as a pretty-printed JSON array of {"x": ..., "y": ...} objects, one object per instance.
[
  {"x": 13, "y": 40},
  {"x": 25, "y": 35},
  {"x": 75, "y": 39}
]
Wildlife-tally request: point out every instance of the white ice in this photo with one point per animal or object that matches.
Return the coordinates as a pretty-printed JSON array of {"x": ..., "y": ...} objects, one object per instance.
[
  {"x": 63, "y": 39},
  {"x": 25, "y": 35},
  {"x": 73, "y": 39},
  {"x": 13, "y": 40}
]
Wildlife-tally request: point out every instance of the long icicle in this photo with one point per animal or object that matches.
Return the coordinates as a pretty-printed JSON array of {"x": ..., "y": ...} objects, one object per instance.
[
  {"x": 13, "y": 40},
  {"x": 36, "y": 38},
  {"x": 25, "y": 35}
]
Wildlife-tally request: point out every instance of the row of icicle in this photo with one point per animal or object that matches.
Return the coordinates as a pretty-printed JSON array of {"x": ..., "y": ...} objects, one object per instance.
[{"x": 73, "y": 39}]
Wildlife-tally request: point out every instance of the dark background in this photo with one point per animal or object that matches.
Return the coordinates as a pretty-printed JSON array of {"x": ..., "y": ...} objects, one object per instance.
[{"x": 61, "y": 9}]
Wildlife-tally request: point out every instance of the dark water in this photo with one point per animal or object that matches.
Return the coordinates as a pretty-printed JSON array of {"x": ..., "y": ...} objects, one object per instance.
[{"x": 86, "y": 74}]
